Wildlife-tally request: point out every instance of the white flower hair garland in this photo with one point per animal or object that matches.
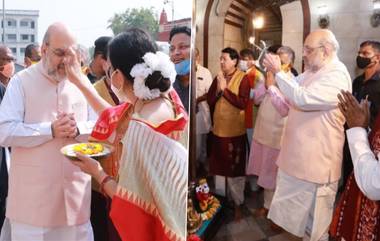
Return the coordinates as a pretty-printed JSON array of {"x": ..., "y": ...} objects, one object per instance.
[{"x": 152, "y": 62}]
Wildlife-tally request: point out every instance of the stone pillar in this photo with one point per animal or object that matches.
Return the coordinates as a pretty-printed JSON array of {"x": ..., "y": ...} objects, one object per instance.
[{"x": 292, "y": 30}]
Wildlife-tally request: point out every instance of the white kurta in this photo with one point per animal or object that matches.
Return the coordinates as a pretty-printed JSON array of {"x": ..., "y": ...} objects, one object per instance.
[
  {"x": 366, "y": 166},
  {"x": 204, "y": 81},
  {"x": 203, "y": 116}
]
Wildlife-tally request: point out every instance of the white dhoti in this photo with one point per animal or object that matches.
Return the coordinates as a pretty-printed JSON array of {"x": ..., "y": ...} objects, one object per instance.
[
  {"x": 303, "y": 208},
  {"x": 25, "y": 232},
  {"x": 235, "y": 188}
]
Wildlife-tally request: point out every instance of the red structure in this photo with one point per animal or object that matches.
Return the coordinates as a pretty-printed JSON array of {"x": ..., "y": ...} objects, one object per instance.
[{"x": 165, "y": 26}]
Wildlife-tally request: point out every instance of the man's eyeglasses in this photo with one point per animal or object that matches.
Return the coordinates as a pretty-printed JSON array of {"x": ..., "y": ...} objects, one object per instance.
[
  {"x": 308, "y": 50},
  {"x": 59, "y": 52}
]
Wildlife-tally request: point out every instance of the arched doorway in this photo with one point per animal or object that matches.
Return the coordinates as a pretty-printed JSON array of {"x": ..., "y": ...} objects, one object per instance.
[{"x": 229, "y": 23}]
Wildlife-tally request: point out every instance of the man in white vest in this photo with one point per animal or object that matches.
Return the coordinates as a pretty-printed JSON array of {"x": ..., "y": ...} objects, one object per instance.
[
  {"x": 49, "y": 197},
  {"x": 310, "y": 158}
]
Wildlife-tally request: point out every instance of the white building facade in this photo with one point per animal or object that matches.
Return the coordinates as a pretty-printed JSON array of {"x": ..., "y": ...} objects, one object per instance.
[{"x": 21, "y": 29}]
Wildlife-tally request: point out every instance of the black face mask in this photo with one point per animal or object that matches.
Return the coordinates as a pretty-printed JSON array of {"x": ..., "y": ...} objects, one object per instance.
[{"x": 362, "y": 62}]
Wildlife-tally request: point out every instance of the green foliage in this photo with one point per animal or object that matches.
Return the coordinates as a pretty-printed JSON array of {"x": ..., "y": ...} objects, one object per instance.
[{"x": 142, "y": 18}]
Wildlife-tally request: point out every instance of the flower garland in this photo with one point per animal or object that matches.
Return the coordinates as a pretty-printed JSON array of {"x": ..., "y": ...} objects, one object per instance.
[{"x": 158, "y": 61}]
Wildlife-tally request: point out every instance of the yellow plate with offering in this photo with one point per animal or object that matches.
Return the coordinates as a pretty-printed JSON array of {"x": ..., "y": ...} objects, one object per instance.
[{"x": 90, "y": 149}]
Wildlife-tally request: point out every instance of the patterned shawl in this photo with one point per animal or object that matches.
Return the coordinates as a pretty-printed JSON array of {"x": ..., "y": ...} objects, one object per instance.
[{"x": 150, "y": 203}]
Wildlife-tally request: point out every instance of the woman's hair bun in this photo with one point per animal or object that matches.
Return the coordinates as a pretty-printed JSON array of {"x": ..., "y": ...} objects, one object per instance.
[{"x": 157, "y": 81}]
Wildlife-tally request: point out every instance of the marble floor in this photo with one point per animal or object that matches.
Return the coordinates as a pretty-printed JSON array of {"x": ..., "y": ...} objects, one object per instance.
[{"x": 251, "y": 228}]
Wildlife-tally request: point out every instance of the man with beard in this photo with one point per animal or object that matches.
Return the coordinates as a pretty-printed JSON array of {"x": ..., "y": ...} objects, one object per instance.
[
  {"x": 310, "y": 158},
  {"x": 49, "y": 197}
]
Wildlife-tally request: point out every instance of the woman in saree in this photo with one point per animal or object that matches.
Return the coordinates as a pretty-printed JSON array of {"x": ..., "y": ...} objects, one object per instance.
[{"x": 149, "y": 192}]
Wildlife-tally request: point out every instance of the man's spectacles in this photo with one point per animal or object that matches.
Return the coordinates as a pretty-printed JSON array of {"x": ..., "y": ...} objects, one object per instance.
[
  {"x": 60, "y": 52},
  {"x": 308, "y": 50}
]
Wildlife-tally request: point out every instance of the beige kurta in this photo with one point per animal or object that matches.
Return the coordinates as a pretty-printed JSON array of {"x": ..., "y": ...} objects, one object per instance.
[
  {"x": 45, "y": 188},
  {"x": 311, "y": 154},
  {"x": 313, "y": 139}
]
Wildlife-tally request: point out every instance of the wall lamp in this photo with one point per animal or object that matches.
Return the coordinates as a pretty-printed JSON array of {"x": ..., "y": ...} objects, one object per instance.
[
  {"x": 323, "y": 19},
  {"x": 375, "y": 17}
]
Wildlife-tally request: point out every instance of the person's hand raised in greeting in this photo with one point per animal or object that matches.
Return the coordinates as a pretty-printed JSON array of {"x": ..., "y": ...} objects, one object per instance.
[
  {"x": 222, "y": 82},
  {"x": 357, "y": 115}
]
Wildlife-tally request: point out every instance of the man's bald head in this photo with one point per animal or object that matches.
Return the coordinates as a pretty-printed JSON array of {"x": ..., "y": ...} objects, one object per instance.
[
  {"x": 325, "y": 38},
  {"x": 58, "y": 31},
  {"x": 319, "y": 49}
]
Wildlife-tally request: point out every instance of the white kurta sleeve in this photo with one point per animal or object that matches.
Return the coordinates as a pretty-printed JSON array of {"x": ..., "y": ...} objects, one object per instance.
[
  {"x": 13, "y": 130},
  {"x": 366, "y": 166},
  {"x": 320, "y": 95}
]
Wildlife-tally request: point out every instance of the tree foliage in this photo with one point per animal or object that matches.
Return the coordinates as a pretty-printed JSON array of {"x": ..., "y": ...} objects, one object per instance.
[{"x": 141, "y": 18}]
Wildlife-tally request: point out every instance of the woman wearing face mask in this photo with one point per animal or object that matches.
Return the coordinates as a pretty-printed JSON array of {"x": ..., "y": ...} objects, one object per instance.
[{"x": 149, "y": 198}]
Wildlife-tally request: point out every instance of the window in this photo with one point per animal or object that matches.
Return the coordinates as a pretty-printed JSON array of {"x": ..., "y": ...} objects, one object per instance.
[
  {"x": 32, "y": 38},
  {"x": 11, "y": 23},
  {"x": 22, "y": 51},
  {"x": 24, "y": 37},
  {"x": 11, "y": 37},
  {"x": 14, "y": 51},
  {"x": 24, "y": 23},
  {"x": 32, "y": 24}
]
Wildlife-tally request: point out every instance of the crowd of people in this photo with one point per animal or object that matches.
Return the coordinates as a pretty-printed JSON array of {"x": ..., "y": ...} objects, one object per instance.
[
  {"x": 299, "y": 137},
  {"x": 130, "y": 97},
  {"x": 294, "y": 135}
]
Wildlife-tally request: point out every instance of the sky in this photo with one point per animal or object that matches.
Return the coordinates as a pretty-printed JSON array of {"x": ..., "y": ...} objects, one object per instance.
[{"x": 88, "y": 19}]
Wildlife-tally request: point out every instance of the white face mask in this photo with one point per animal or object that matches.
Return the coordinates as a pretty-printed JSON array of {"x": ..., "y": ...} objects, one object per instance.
[
  {"x": 118, "y": 92},
  {"x": 243, "y": 65}
]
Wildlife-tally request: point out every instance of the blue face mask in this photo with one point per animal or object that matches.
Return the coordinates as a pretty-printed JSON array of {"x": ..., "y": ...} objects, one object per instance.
[{"x": 183, "y": 68}]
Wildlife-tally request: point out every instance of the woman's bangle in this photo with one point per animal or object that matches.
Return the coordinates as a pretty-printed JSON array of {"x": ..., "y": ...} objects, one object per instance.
[{"x": 106, "y": 179}]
